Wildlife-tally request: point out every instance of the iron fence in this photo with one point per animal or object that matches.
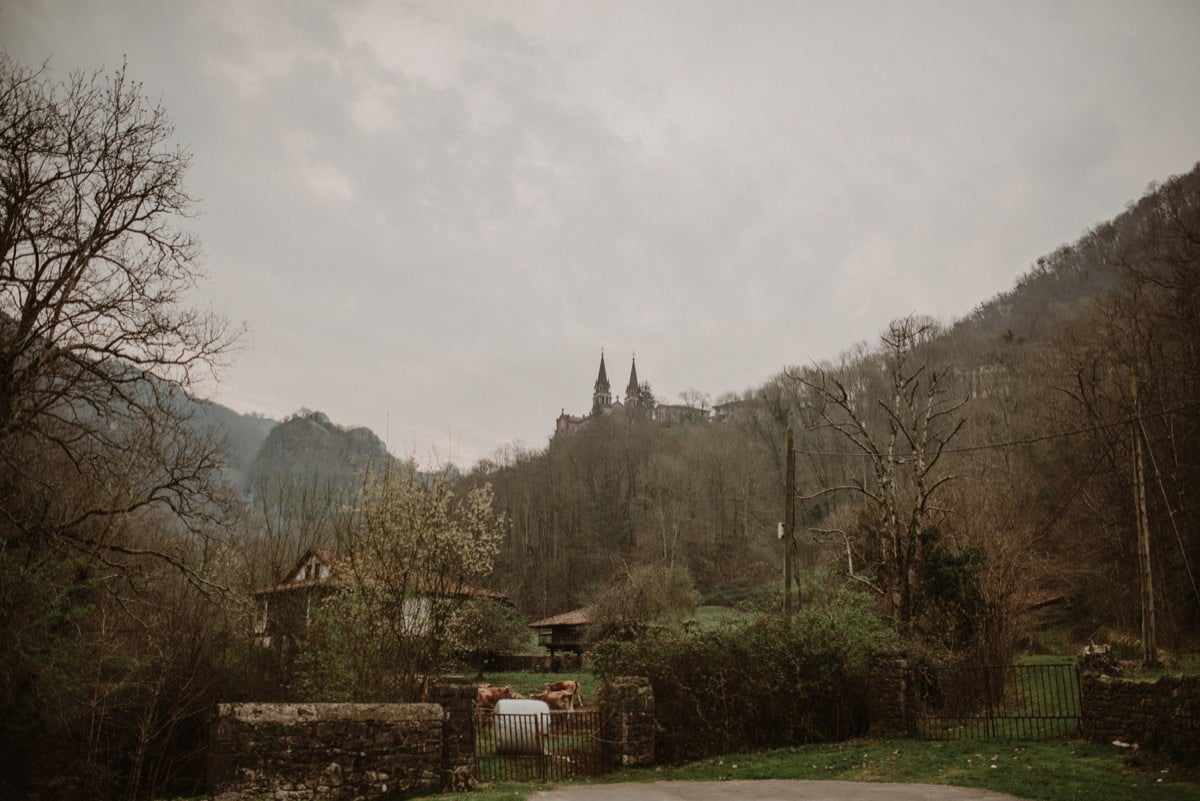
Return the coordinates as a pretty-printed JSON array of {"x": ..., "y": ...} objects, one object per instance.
[
  {"x": 537, "y": 747},
  {"x": 995, "y": 701}
]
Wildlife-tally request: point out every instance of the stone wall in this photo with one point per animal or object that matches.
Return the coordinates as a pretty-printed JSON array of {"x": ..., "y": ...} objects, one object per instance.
[
  {"x": 1162, "y": 715},
  {"x": 314, "y": 752},
  {"x": 626, "y": 707}
]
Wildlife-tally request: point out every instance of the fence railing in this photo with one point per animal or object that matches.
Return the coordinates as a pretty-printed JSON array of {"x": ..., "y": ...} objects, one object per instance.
[
  {"x": 541, "y": 746},
  {"x": 995, "y": 701}
]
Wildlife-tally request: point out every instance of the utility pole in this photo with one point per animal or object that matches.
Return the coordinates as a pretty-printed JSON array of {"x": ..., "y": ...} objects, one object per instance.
[
  {"x": 1145, "y": 582},
  {"x": 789, "y": 525}
]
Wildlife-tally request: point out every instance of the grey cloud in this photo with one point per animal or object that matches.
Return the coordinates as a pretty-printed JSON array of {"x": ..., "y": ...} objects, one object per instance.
[{"x": 433, "y": 215}]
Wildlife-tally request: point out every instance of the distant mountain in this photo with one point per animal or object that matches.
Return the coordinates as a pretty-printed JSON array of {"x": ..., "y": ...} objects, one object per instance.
[
  {"x": 242, "y": 434},
  {"x": 309, "y": 448},
  {"x": 306, "y": 449}
]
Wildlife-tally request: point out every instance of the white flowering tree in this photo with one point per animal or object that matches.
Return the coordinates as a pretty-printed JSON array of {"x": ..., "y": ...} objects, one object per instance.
[{"x": 409, "y": 552}]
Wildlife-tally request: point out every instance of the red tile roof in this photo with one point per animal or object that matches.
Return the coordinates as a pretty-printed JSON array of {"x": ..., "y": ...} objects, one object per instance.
[
  {"x": 328, "y": 557},
  {"x": 576, "y": 617}
]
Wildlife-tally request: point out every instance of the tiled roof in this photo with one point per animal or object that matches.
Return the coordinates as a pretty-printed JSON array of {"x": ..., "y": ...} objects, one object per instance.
[
  {"x": 292, "y": 586},
  {"x": 576, "y": 617},
  {"x": 329, "y": 558},
  {"x": 478, "y": 592}
]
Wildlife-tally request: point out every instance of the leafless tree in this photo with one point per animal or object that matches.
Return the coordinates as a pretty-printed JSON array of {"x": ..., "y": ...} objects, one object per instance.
[
  {"x": 108, "y": 493},
  {"x": 903, "y": 435},
  {"x": 96, "y": 343}
]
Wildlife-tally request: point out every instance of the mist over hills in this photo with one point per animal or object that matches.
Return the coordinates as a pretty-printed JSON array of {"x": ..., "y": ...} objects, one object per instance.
[
  {"x": 306, "y": 448},
  {"x": 310, "y": 448},
  {"x": 243, "y": 436}
]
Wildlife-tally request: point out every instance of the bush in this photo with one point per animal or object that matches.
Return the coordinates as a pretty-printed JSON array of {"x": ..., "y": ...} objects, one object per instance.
[
  {"x": 745, "y": 596},
  {"x": 767, "y": 682}
]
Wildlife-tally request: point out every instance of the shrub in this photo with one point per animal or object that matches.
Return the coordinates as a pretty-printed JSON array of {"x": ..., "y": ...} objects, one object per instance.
[{"x": 769, "y": 681}]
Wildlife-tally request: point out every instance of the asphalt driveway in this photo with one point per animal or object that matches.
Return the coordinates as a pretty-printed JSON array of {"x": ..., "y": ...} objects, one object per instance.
[{"x": 767, "y": 790}]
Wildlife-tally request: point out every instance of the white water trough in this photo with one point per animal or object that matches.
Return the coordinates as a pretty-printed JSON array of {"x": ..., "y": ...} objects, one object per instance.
[{"x": 521, "y": 727}]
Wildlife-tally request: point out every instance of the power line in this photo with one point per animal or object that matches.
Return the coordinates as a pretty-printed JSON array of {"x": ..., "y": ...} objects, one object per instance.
[
  {"x": 1170, "y": 509},
  {"x": 1055, "y": 514},
  {"x": 1013, "y": 442}
]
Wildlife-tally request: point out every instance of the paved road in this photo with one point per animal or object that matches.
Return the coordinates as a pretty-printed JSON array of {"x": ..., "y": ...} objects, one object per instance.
[{"x": 767, "y": 790}]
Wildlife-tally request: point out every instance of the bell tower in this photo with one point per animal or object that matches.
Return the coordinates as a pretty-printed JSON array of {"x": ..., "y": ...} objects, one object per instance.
[
  {"x": 602, "y": 392},
  {"x": 633, "y": 392}
]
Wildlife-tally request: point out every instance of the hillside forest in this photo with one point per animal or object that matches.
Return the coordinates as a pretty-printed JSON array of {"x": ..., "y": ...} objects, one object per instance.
[
  {"x": 977, "y": 469},
  {"x": 1035, "y": 463}
]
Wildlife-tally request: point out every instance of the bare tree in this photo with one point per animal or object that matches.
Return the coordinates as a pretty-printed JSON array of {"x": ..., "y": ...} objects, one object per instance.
[
  {"x": 96, "y": 344},
  {"x": 108, "y": 492},
  {"x": 902, "y": 435}
]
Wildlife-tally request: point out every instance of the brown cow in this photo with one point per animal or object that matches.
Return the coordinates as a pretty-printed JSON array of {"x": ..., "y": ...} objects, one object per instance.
[
  {"x": 486, "y": 695},
  {"x": 557, "y": 699},
  {"x": 567, "y": 685}
]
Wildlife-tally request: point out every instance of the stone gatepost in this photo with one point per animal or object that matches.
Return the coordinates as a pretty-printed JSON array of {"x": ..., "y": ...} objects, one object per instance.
[
  {"x": 889, "y": 697},
  {"x": 627, "y": 722},
  {"x": 456, "y": 696}
]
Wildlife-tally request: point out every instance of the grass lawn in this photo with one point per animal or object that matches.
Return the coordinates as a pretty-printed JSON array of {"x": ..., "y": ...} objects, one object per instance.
[{"x": 1045, "y": 771}]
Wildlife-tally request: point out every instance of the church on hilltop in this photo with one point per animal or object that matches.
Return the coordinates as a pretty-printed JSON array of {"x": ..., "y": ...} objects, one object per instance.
[{"x": 639, "y": 400}]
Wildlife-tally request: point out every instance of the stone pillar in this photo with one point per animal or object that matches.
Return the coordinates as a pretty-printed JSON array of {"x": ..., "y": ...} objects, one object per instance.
[
  {"x": 889, "y": 699},
  {"x": 456, "y": 696},
  {"x": 627, "y": 723}
]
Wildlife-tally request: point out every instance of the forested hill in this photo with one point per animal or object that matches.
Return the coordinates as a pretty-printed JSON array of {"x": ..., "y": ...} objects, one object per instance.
[
  {"x": 1024, "y": 439},
  {"x": 1063, "y": 282}
]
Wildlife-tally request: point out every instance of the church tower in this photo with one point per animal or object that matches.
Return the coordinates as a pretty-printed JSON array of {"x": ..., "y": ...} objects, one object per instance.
[
  {"x": 633, "y": 392},
  {"x": 601, "y": 394}
]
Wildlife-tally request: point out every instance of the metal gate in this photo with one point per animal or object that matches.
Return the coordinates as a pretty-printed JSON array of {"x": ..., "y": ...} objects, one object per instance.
[
  {"x": 538, "y": 747},
  {"x": 995, "y": 702}
]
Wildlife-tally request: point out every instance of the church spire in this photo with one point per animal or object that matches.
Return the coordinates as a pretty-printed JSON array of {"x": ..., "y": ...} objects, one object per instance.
[
  {"x": 602, "y": 377},
  {"x": 601, "y": 394},
  {"x": 633, "y": 392}
]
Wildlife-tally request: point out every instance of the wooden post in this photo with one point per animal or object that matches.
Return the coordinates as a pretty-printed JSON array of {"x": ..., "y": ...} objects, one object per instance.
[
  {"x": 1145, "y": 579},
  {"x": 789, "y": 525}
]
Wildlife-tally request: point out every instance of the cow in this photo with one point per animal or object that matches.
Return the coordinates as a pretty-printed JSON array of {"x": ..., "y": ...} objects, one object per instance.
[
  {"x": 486, "y": 695},
  {"x": 557, "y": 699},
  {"x": 567, "y": 685}
]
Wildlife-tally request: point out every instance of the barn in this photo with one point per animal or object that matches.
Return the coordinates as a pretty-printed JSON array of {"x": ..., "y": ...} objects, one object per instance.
[{"x": 563, "y": 632}]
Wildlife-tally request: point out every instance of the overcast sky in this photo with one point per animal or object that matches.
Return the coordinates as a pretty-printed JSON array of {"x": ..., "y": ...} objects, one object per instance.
[{"x": 433, "y": 215}]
